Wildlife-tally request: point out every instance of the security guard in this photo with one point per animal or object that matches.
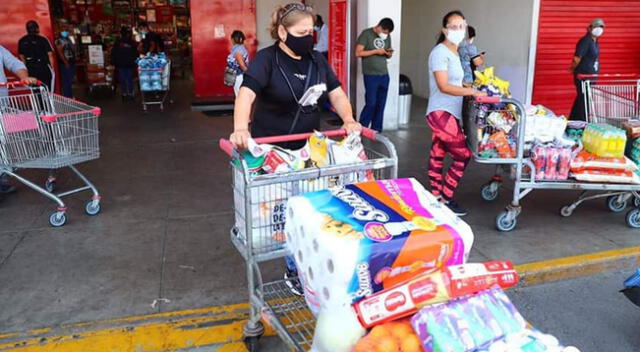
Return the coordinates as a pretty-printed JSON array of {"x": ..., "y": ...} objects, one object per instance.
[{"x": 37, "y": 54}]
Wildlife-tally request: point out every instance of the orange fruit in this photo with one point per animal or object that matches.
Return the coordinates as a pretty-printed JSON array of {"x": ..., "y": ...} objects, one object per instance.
[
  {"x": 400, "y": 330},
  {"x": 365, "y": 344},
  {"x": 379, "y": 332},
  {"x": 388, "y": 344},
  {"x": 411, "y": 343}
]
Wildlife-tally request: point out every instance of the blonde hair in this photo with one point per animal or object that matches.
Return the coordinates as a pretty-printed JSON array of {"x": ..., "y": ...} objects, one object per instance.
[{"x": 290, "y": 18}]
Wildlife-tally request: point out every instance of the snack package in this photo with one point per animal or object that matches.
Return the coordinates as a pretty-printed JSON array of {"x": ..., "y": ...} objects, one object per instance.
[
  {"x": 452, "y": 282},
  {"x": 469, "y": 324},
  {"x": 319, "y": 149},
  {"x": 351, "y": 150},
  {"x": 605, "y": 176},
  {"x": 586, "y": 160},
  {"x": 277, "y": 159},
  {"x": 350, "y": 242},
  {"x": 502, "y": 145}
]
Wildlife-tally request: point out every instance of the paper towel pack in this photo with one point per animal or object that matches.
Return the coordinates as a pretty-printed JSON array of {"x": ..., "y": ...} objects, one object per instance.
[{"x": 349, "y": 242}]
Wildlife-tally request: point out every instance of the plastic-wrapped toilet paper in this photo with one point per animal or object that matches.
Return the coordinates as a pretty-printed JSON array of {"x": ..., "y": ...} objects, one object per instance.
[{"x": 350, "y": 242}]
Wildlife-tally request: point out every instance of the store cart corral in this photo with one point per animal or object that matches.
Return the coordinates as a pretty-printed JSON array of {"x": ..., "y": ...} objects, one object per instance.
[
  {"x": 259, "y": 239},
  {"x": 610, "y": 100},
  {"x": 42, "y": 130}
]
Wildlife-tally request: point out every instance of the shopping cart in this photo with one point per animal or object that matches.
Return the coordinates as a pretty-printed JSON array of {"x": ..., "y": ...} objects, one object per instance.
[
  {"x": 42, "y": 130},
  {"x": 154, "y": 85},
  {"x": 523, "y": 171},
  {"x": 259, "y": 238}
]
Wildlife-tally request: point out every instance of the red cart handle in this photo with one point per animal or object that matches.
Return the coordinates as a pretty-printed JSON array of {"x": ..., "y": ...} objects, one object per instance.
[
  {"x": 20, "y": 83},
  {"x": 609, "y": 75},
  {"x": 228, "y": 148},
  {"x": 487, "y": 100}
]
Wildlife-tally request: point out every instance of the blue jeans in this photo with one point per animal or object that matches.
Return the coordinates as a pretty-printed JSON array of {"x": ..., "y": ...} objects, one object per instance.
[
  {"x": 66, "y": 80},
  {"x": 125, "y": 77},
  {"x": 376, "y": 88}
]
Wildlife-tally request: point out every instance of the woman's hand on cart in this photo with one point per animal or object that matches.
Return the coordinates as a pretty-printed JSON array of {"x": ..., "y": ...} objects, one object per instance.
[
  {"x": 240, "y": 138},
  {"x": 29, "y": 80},
  {"x": 352, "y": 126},
  {"x": 477, "y": 93}
]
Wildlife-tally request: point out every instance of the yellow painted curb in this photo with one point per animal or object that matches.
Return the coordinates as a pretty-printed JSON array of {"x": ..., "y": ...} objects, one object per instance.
[
  {"x": 222, "y": 326},
  {"x": 578, "y": 266}
]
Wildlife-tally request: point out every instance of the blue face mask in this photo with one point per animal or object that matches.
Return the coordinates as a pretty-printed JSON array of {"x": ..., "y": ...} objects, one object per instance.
[{"x": 64, "y": 34}]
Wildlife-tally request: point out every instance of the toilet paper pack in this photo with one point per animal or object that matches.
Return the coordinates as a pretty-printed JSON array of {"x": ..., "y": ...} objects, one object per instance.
[{"x": 350, "y": 242}]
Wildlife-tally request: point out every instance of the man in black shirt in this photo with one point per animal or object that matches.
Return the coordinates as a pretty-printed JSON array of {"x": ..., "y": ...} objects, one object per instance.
[
  {"x": 586, "y": 60},
  {"x": 37, "y": 54},
  {"x": 152, "y": 42}
]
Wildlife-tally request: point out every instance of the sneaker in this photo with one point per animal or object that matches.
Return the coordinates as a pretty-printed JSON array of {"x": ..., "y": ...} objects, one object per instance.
[
  {"x": 292, "y": 281},
  {"x": 456, "y": 208},
  {"x": 6, "y": 188}
]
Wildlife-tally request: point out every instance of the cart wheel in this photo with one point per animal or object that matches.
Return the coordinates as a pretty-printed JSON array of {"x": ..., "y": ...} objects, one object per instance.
[
  {"x": 615, "y": 205},
  {"x": 566, "y": 211},
  {"x": 503, "y": 223},
  {"x": 91, "y": 208},
  {"x": 251, "y": 342},
  {"x": 489, "y": 191},
  {"x": 636, "y": 202},
  {"x": 50, "y": 186},
  {"x": 633, "y": 218},
  {"x": 57, "y": 219}
]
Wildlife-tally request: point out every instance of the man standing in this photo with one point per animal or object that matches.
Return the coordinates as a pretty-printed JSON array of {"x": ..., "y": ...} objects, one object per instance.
[
  {"x": 151, "y": 42},
  {"x": 12, "y": 64},
  {"x": 322, "y": 46},
  {"x": 37, "y": 54},
  {"x": 67, "y": 53},
  {"x": 374, "y": 47},
  {"x": 586, "y": 60}
]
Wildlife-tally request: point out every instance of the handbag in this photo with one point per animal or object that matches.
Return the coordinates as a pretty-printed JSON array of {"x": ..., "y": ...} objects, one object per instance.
[{"x": 229, "y": 76}]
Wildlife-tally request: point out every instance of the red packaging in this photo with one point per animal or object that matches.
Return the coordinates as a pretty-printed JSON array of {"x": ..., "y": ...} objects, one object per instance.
[
  {"x": 551, "y": 168},
  {"x": 564, "y": 164},
  {"x": 539, "y": 158},
  {"x": 468, "y": 279},
  {"x": 274, "y": 162},
  {"x": 453, "y": 282}
]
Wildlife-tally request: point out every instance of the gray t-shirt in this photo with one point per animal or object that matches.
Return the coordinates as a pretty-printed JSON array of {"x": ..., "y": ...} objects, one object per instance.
[{"x": 443, "y": 59}]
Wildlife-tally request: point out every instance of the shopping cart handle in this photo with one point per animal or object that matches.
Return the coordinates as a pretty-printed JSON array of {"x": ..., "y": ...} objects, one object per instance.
[
  {"x": 583, "y": 76},
  {"x": 487, "y": 100},
  {"x": 228, "y": 148},
  {"x": 20, "y": 83}
]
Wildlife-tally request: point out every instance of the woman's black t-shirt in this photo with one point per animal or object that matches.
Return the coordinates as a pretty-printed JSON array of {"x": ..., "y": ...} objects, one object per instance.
[{"x": 275, "y": 105}]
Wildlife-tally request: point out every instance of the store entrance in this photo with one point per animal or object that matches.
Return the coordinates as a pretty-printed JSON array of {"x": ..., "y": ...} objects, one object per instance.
[{"x": 94, "y": 34}]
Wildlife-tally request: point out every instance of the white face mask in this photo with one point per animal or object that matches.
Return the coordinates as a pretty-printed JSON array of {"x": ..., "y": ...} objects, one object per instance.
[
  {"x": 597, "y": 31},
  {"x": 456, "y": 37},
  {"x": 383, "y": 36}
]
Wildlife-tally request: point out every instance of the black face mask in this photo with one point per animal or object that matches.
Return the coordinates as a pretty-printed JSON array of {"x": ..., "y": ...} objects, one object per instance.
[{"x": 299, "y": 45}]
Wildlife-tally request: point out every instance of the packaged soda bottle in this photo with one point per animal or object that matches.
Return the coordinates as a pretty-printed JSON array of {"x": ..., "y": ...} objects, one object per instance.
[{"x": 564, "y": 164}]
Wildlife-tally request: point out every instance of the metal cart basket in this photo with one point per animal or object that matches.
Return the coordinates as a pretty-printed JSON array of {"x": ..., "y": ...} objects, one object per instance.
[{"x": 42, "y": 130}]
